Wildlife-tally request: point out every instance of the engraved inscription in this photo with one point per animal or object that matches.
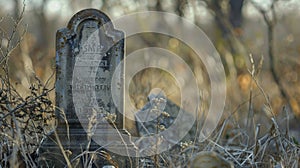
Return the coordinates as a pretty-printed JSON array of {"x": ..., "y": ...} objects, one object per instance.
[
  {"x": 84, "y": 86},
  {"x": 91, "y": 48},
  {"x": 103, "y": 64}
]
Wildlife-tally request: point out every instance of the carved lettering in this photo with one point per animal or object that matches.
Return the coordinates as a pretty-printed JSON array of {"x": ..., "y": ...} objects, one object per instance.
[
  {"x": 91, "y": 48},
  {"x": 103, "y": 64},
  {"x": 97, "y": 87}
]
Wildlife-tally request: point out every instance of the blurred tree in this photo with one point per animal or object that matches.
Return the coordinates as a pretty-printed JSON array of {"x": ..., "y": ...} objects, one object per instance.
[
  {"x": 229, "y": 20},
  {"x": 235, "y": 15}
]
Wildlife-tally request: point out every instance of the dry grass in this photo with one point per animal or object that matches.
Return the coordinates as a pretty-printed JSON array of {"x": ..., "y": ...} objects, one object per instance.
[{"x": 24, "y": 121}]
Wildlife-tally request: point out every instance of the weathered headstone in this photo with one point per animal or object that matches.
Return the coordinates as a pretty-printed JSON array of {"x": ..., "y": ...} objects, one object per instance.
[{"x": 87, "y": 54}]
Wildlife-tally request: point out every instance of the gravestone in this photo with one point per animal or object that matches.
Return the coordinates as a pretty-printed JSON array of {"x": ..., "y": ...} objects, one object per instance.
[{"x": 88, "y": 51}]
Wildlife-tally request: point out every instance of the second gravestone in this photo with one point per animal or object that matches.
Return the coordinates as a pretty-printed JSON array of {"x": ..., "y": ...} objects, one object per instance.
[{"x": 88, "y": 52}]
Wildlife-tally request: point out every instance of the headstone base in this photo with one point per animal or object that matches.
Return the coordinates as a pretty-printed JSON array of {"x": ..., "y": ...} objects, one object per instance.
[{"x": 80, "y": 152}]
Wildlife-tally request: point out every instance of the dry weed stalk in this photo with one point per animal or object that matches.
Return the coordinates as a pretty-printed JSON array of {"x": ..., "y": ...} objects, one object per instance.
[{"x": 23, "y": 120}]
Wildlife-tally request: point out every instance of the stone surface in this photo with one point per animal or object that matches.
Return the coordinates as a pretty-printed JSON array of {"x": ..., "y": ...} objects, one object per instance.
[
  {"x": 157, "y": 116},
  {"x": 87, "y": 54}
]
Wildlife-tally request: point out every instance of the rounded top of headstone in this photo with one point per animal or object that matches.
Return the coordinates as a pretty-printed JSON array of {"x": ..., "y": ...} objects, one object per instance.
[{"x": 88, "y": 14}]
